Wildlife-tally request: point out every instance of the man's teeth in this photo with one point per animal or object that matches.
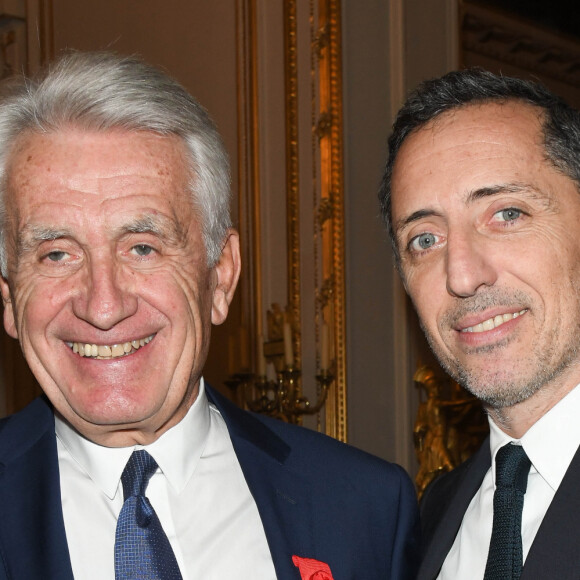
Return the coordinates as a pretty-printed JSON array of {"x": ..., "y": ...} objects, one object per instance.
[
  {"x": 492, "y": 323},
  {"x": 105, "y": 351}
]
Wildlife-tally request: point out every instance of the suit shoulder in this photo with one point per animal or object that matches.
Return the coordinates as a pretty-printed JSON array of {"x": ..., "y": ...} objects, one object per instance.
[
  {"x": 320, "y": 449},
  {"x": 20, "y": 431},
  {"x": 309, "y": 452},
  {"x": 360, "y": 491}
]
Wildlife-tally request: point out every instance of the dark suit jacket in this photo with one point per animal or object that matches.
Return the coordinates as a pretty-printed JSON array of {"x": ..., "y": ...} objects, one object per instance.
[
  {"x": 317, "y": 498},
  {"x": 555, "y": 552}
]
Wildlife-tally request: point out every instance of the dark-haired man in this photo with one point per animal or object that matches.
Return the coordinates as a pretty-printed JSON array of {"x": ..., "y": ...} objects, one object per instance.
[{"x": 481, "y": 196}]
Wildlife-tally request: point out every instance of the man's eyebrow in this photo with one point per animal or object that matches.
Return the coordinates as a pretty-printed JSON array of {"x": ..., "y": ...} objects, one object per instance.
[
  {"x": 144, "y": 225},
  {"x": 157, "y": 225},
  {"x": 31, "y": 235},
  {"x": 415, "y": 216}
]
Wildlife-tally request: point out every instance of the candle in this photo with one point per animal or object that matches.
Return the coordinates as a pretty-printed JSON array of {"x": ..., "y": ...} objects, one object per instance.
[{"x": 288, "y": 350}]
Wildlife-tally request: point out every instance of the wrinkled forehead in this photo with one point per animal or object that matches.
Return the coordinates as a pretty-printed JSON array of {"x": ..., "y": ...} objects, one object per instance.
[
  {"x": 81, "y": 144},
  {"x": 112, "y": 176},
  {"x": 88, "y": 160}
]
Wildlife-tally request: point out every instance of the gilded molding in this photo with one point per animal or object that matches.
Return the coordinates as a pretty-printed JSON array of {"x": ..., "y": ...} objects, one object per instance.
[
  {"x": 325, "y": 293},
  {"x": 329, "y": 130},
  {"x": 325, "y": 211},
  {"x": 292, "y": 172},
  {"x": 324, "y": 125},
  {"x": 327, "y": 249}
]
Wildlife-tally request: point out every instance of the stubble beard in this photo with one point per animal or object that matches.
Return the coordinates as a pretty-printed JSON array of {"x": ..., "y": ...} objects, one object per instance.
[
  {"x": 500, "y": 390},
  {"x": 505, "y": 387}
]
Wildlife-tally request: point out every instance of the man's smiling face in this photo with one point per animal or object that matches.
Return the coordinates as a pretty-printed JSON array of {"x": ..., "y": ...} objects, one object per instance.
[
  {"x": 109, "y": 291},
  {"x": 490, "y": 253}
]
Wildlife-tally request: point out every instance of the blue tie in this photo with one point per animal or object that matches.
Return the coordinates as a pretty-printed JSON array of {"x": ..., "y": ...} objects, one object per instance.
[{"x": 142, "y": 550}]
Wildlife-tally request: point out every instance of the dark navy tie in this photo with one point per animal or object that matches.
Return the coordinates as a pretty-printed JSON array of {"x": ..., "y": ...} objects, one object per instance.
[
  {"x": 505, "y": 558},
  {"x": 142, "y": 550}
]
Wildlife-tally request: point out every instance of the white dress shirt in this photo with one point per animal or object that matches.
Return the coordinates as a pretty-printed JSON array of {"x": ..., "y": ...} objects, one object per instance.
[
  {"x": 199, "y": 494},
  {"x": 558, "y": 429}
]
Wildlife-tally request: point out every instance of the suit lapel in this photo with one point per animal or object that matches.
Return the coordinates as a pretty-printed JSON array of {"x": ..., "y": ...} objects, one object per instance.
[
  {"x": 282, "y": 496},
  {"x": 447, "y": 508},
  {"x": 32, "y": 535},
  {"x": 555, "y": 552}
]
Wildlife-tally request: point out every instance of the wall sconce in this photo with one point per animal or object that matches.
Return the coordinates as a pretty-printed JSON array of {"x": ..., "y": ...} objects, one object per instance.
[{"x": 282, "y": 397}]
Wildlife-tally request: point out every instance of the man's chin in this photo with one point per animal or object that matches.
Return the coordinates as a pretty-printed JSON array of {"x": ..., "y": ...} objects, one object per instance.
[
  {"x": 109, "y": 416},
  {"x": 497, "y": 389}
]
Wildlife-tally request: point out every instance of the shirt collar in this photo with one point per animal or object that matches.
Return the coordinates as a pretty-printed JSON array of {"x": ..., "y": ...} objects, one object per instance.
[
  {"x": 177, "y": 451},
  {"x": 558, "y": 429}
]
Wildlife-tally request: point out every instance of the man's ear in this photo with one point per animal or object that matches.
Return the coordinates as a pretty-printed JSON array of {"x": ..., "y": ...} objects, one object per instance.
[
  {"x": 9, "y": 320},
  {"x": 227, "y": 271}
]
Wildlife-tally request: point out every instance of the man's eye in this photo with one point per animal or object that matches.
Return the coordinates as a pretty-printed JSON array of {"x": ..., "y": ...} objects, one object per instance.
[
  {"x": 423, "y": 242},
  {"x": 142, "y": 250},
  {"x": 509, "y": 214},
  {"x": 56, "y": 256}
]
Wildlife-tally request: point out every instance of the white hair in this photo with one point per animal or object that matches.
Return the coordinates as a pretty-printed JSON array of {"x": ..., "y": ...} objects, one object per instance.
[{"x": 100, "y": 91}]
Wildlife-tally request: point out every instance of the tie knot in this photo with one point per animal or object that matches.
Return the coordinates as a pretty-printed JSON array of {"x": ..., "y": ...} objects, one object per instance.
[
  {"x": 512, "y": 467},
  {"x": 137, "y": 473}
]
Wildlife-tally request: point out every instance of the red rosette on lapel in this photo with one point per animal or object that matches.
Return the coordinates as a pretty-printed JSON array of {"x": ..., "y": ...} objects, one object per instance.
[{"x": 312, "y": 569}]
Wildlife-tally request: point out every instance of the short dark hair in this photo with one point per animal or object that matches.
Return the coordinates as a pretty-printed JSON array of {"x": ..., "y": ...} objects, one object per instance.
[{"x": 560, "y": 125}]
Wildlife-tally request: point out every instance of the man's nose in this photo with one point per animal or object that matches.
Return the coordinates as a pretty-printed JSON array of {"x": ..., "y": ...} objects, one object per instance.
[
  {"x": 105, "y": 297},
  {"x": 469, "y": 264}
]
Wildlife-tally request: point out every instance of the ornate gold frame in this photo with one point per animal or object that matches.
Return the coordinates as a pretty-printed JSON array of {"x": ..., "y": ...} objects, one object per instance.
[
  {"x": 330, "y": 211},
  {"x": 327, "y": 184}
]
